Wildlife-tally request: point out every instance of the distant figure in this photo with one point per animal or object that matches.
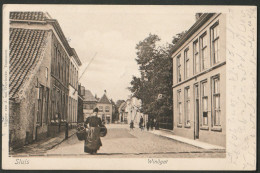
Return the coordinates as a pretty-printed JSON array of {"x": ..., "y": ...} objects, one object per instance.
[
  {"x": 156, "y": 124},
  {"x": 147, "y": 125},
  {"x": 92, "y": 141},
  {"x": 132, "y": 125},
  {"x": 141, "y": 123}
]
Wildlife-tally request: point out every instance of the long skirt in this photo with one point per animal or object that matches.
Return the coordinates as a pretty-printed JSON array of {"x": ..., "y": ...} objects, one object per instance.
[{"x": 92, "y": 140}]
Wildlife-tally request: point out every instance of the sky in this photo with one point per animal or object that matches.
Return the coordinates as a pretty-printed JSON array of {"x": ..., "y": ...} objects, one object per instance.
[{"x": 109, "y": 35}]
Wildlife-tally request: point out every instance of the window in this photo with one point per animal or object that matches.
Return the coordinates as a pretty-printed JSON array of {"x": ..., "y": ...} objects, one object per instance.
[
  {"x": 187, "y": 63},
  {"x": 187, "y": 106},
  {"x": 65, "y": 73},
  {"x": 59, "y": 65},
  {"x": 204, "y": 103},
  {"x": 46, "y": 73},
  {"x": 61, "y": 69},
  {"x": 179, "y": 107},
  {"x": 100, "y": 108},
  {"x": 77, "y": 79},
  {"x": 54, "y": 61},
  {"x": 178, "y": 69},
  {"x": 107, "y": 109},
  {"x": 64, "y": 70},
  {"x": 203, "y": 44},
  {"x": 215, "y": 42},
  {"x": 74, "y": 77},
  {"x": 92, "y": 106},
  {"x": 46, "y": 105},
  {"x": 196, "y": 56},
  {"x": 40, "y": 105},
  {"x": 53, "y": 104},
  {"x": 216, "y": 101}
]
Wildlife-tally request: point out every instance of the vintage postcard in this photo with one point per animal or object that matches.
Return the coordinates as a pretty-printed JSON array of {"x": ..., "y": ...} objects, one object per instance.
[{"x": 120, "y": 87}]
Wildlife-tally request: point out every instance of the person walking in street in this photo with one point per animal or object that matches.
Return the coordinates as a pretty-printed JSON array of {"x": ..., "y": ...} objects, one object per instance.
[
  {"x": 132, "y": 125},
  {"x": 147, "y": 125},
  {"x": 92, "y": 140},
  {"x": 141, "y": 123}
]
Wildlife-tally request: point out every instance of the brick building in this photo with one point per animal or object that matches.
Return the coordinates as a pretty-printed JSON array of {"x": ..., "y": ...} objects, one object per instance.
[
  {"x": 199, "y": 81},
  {"x": 105, "y": 109},
  {"x": 81, "y": 93},
  {"x": 89, "y": 103},
  {"x": 73, "y": 88},
  {"x": 39, "y": 77}
]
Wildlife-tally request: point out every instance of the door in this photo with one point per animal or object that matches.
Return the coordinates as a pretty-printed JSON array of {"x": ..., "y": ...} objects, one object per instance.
[{"x": 196, "y": 113}]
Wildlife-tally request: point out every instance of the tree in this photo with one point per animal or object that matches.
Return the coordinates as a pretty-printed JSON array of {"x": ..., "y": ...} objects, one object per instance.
[{"x": 155, "y": 65}]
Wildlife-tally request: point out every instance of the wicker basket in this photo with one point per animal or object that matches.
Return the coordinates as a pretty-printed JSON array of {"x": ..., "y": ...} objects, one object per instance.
[
  {"x": 81, "y": 135},
  {"x": 81, "y": 132},
  {"x": 103, "y": 131}
]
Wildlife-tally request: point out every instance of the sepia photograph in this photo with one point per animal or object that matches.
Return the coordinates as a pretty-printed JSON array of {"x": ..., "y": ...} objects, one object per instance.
[{"x": 129, "y": 83}]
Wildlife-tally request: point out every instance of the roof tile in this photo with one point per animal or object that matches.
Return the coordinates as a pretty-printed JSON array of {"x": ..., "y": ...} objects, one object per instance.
[
  {"x": 89, "y": 96},
  {"x": 28, "y": 15},
  {"x": 104, "y": 99},
  {"x": 25, "y": 51}
]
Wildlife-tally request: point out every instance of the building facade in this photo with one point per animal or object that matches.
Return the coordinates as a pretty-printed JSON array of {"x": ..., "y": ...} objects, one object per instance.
[
  {"x": 81, "y": 93},
  {"x": 39, "y": 77},
  {"x": 132, "y": 111},
  {"x": 105, "y": 109},
  {"x": 73, "y": 88},
  {"x": 89, "y": 103},
  {"x": 122, "y": 113},
  {"x": 199, "y": 81}
]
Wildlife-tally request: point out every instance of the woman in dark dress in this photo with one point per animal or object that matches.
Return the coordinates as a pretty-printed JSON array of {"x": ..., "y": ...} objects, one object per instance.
[{"x": 92, "y": 140}]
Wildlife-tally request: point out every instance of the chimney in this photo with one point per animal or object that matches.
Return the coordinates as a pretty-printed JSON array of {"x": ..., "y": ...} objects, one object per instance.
[{"x": 197, "y": 16}]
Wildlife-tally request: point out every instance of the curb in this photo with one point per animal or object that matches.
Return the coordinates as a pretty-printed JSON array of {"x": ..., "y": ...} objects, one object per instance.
[
  {"x": 210, "y": 146},
  {"x": 61, "y": 141}
]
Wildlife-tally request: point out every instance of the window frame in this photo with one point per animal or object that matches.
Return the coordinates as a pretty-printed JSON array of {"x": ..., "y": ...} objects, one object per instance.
[
  {"x": 179, "y": 108},
  {"x": 107, "y": 109},
  {"x": 196, "y": 55},
  {"x": 187, "y": 98},
  {"x": 186, "y": 59},
  {"x": 178, "y": 65},
  {"x": 204, "y": 95},
  {"x": 213, "y": 40},
  {"x": 39, "y": 119},
  {"x": 216, "y": 126},
  {"x": 203, "y": 49},
  {"x": 100, "y": 108}
]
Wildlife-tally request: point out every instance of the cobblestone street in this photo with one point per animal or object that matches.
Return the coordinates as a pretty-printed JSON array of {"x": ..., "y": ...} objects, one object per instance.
[{"x": 123, "y": 142}]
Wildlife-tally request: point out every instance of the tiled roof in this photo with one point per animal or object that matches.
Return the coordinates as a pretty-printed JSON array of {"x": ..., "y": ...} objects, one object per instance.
[
  {"x": 25, "y": 51},
  {"x": 89, "y": 96},
  {"x": 104, "y": 99},
  {"x": 28, "y": 15}
]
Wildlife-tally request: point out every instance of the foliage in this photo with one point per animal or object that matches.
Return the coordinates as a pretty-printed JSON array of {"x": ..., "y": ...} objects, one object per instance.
[{"x": 155, "y": 65}]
